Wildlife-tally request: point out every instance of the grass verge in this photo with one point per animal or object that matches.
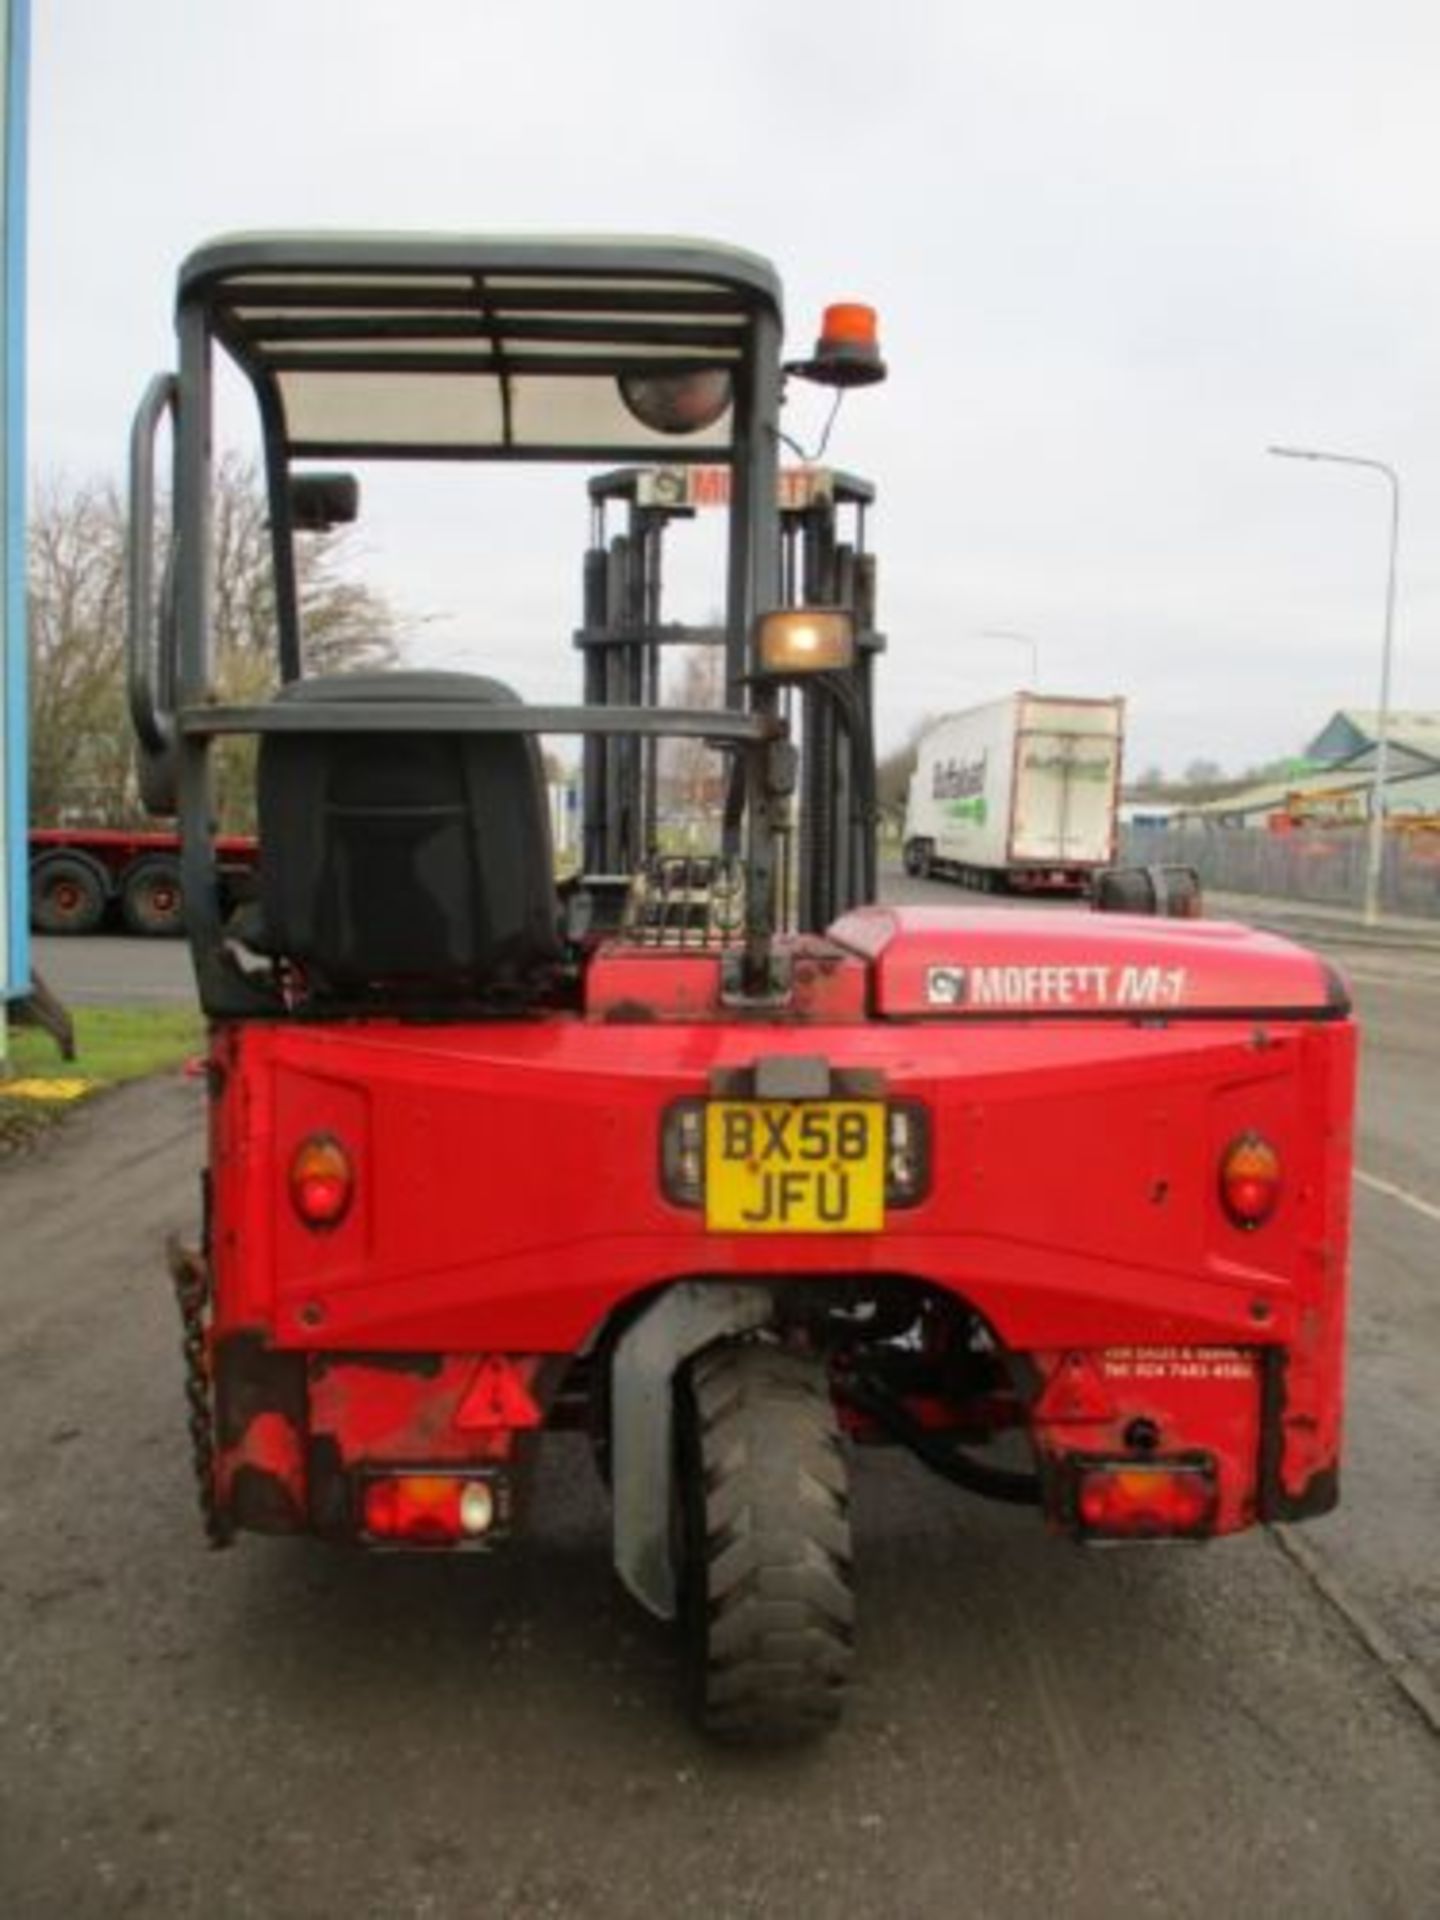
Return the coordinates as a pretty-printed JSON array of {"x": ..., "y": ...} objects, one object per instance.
[{"x": 112, "y": 1044}]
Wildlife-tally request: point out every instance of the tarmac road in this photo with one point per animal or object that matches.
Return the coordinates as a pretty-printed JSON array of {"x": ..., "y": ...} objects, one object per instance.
[
  {"x": 284, "y": 1730},
  {"x": 114, "y": 969}
]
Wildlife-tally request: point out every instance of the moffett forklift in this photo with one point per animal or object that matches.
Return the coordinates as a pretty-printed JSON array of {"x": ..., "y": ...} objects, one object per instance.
[{"x": 709, "y": 1156}]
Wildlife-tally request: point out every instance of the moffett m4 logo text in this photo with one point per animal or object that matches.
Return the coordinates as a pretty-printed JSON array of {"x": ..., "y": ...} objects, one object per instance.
[{"x": 1032, "y": 986}]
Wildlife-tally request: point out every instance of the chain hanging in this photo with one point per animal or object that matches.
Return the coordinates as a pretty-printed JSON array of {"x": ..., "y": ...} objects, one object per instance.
[{"x": 192, "y": 1295}]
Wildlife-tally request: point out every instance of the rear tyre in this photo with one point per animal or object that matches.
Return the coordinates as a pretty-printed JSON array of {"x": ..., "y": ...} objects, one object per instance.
[
  {"x": 767, "y": 1606},
  {"x": 67, "y": 894},
  {"x": 150, "y": 902}
]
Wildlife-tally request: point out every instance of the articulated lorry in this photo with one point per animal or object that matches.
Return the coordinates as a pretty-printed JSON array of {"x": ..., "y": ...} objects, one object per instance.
[
  {"x": 1020, "y": 793},
  {"x": 89, "y": 879}
]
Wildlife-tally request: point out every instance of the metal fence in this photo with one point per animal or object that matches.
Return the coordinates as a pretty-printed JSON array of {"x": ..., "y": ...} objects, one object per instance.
[{"x": 1326, "y": 865}]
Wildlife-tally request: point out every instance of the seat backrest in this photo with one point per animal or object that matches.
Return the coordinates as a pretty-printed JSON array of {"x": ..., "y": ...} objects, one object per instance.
[{"x": 416, "y": 863}]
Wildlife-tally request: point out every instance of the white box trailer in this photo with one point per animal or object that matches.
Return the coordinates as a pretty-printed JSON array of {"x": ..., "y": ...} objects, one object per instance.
[{"x": 1021, "y": 793}]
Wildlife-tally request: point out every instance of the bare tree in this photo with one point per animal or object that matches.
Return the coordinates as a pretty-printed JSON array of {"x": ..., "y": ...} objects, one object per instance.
[
  {"x": 80, "y": 746},
  {"x": 346, "y": 625},
  {"x": 79, "y": 736},
  {"x": 1204, "y": 773},
  {"x": 894, "y": 769}
]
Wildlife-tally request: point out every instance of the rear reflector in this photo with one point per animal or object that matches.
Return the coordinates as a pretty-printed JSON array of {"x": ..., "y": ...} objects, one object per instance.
[
  {"x": 1144, "y": 1500},
  {"x": 428, "y": 1509}
]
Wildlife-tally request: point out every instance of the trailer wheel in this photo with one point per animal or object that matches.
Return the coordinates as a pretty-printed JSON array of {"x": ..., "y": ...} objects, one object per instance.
[
  {"x": 150, "y": 902},
  {"x": 67, "y": 894},
  {"x": 918, "y": 855},
  {"x": 767, "y": 1610}
]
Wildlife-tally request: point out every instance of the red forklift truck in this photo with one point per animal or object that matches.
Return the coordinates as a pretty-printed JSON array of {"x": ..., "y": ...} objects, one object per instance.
[{"x": 709, "y": 1156}]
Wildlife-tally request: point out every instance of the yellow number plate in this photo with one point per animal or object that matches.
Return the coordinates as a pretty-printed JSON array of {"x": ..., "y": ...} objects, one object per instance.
[{"x": 804, "y": 1166}]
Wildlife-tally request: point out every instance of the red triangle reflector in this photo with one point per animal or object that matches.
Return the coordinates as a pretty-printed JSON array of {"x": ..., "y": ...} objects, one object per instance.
[
  {"x": 1074, "y": 1391},
  {"x": 499, "y": 1396}
]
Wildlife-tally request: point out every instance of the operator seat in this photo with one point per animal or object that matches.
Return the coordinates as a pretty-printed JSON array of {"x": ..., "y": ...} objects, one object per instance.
[{"x": 406, "y": 865}]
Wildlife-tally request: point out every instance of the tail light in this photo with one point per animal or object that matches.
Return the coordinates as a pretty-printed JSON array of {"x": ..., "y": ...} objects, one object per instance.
[
  {"x": 429, "y": 1509},
  {"x": 1250, "y": 1181},
  {"x": 1145, "y": 1499},
  {"x": 322, "y": 1181}
]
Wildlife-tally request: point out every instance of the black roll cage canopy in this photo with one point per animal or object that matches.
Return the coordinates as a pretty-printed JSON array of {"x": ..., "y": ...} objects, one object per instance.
[{"x": 449, "y": 348}]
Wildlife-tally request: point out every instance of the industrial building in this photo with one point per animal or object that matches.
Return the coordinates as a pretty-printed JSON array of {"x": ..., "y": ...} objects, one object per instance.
[{"x": 1336, "y": 785}]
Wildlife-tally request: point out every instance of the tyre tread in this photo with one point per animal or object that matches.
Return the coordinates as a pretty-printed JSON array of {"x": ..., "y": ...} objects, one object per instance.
[{"x": 774, "y": 1616}]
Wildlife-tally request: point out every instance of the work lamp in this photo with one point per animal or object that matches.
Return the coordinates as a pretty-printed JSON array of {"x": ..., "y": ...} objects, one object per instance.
[{"x": 797, "y": 640}]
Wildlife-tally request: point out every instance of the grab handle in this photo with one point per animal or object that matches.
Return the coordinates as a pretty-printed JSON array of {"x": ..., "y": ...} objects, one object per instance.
[{"x": 149, "y": 635}]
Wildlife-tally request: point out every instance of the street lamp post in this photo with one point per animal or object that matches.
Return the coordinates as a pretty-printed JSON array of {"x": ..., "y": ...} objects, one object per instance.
[
  {"x": 1022, "y": 640},
  {"x": 1375, "y": 846}
]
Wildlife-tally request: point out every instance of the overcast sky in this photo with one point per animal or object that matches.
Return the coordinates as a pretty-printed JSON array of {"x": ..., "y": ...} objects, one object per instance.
[{"x": 1117, "y": 247}]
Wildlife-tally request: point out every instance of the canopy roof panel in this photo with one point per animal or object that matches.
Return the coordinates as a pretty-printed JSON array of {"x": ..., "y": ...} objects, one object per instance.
[{"x": 389, "y": 346}]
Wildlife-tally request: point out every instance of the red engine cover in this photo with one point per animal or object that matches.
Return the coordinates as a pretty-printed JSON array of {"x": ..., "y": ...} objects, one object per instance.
[{"x": 973, "y": 962}]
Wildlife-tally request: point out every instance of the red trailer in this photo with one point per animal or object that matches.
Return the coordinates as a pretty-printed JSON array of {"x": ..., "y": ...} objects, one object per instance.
[
  {"x": 85, "y": 879},
  {"x": 709, "y": 1157}
]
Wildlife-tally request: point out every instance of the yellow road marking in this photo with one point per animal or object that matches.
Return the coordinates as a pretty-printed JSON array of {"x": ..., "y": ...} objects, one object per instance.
[{"x": 44, "y": 1089}]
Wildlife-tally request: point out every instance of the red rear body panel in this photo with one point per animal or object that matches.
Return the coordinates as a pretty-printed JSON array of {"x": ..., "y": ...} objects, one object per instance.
[{"x": 1083, "y": 1077}]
